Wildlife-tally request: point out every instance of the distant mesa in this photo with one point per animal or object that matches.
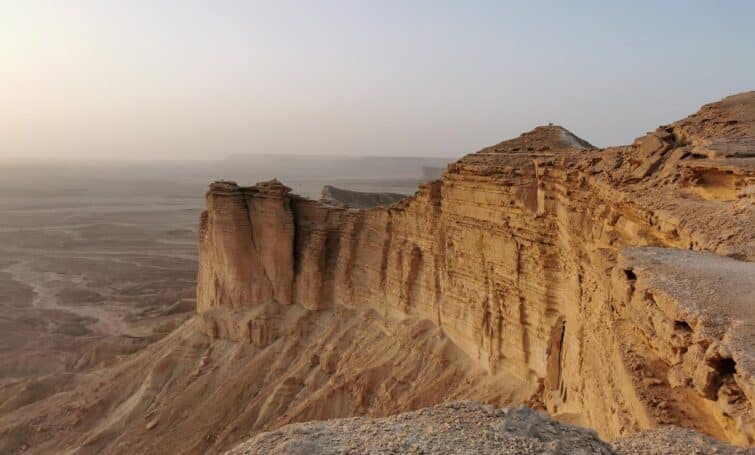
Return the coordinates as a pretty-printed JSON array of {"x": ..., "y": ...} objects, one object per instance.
[
  {"x": 340, "y": 197},
  {"x": 432, "y": 173},
  {"x": 326, "y": 168}
]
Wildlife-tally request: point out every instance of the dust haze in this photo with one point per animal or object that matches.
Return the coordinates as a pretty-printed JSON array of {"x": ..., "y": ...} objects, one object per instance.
[{"x": 98, "y": 258}]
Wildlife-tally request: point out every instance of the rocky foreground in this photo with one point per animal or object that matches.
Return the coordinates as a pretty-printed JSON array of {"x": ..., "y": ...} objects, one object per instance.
[{"x": 469, "y": 428}]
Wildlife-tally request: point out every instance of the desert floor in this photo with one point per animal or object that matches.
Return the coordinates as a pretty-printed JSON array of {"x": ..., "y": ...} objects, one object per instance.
[{"x": 98, "y": 260}]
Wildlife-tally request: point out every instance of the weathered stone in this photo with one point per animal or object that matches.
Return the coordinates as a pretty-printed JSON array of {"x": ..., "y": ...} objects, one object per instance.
[{"x": 596, "y": 276}]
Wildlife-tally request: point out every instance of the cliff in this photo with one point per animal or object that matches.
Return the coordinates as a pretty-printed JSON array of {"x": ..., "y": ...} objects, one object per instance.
[{"x": 618, "y": 283}]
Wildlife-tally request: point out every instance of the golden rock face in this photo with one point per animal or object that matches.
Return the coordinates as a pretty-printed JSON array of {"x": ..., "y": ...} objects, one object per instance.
[{"x": 616, "y": 283}]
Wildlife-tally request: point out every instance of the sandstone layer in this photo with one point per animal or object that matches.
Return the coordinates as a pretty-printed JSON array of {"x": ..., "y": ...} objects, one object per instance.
[{"x": 617, "y": 284}]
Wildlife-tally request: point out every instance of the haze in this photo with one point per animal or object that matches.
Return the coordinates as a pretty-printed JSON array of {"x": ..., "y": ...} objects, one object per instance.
[{"x": 203, "y": 80}]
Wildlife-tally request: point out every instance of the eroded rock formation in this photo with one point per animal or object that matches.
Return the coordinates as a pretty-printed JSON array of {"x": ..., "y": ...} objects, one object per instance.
[{"x": 617, "y": 283}]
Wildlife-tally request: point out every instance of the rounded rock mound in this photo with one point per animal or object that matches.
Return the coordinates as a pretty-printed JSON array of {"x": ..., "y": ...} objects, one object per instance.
[{"x": 463, "y": 428}]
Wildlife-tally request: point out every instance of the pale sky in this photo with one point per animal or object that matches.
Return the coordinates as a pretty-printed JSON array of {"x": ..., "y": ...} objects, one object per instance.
[{"x": 203, "y": 79}]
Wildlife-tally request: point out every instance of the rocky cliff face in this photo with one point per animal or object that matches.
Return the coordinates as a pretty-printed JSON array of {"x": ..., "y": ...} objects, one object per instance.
[{"x": 618, "y": 284}]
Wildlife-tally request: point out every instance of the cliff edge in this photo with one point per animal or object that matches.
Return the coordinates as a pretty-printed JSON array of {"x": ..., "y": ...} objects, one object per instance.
[{"x": 617, "y": 283}]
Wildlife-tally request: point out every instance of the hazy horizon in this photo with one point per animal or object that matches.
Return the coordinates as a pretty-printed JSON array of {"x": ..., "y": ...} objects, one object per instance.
[
  {"x": 219, "y": 157},
  {"x": 197, "y": 80}
]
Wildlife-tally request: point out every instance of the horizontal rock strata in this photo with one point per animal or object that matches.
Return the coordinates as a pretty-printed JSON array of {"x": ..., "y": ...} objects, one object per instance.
[{"x": 617, "y": 282}]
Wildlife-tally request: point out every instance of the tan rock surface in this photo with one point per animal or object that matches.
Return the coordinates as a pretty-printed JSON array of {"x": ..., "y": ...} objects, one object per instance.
[
  {"x": 531, "y": 256},
  {"x": 466, "y": 428}
]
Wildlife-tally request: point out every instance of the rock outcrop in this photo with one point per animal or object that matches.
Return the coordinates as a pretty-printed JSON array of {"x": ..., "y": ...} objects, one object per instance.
[
  {"x": 618, "y": 283},
  {"x": 467, "y": 427},
  {"x": 340, "y": 197}
]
